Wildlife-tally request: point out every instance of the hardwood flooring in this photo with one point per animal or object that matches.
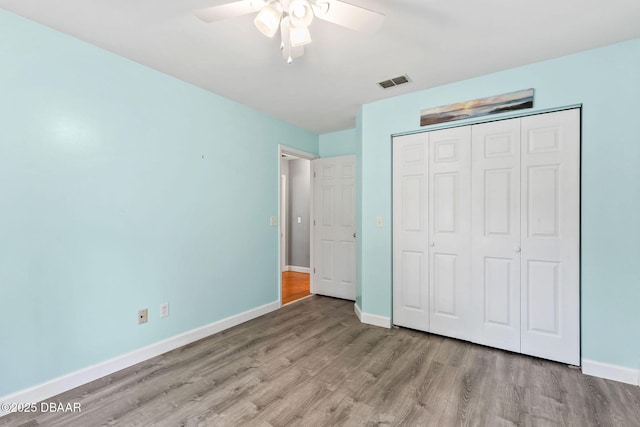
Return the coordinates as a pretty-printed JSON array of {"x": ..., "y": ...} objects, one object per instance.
[
  {"x": 313, "y": 363},
  {"x": 294, "y": 286}
]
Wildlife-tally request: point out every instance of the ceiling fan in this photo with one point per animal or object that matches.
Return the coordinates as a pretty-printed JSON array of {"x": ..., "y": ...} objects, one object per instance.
[{"x": 293, "y": 17}]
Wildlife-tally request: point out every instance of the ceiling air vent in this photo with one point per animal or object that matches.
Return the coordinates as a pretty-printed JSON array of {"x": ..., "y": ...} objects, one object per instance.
[{"x": 396, "y": 81}]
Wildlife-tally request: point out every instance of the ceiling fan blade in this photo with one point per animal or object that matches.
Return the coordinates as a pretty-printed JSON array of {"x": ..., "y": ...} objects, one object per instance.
[
  {"x": 229, "y": 10},
  {"x": 349, "y": 16}
]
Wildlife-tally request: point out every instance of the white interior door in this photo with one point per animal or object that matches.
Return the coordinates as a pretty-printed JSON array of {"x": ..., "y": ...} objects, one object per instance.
[
  {"x": 410, "y": 231},
  {"x": 495, "y": 229},
  {"x": 550, "y": 236},
  {"x": 449, "y": 232},
  {"x": 334, "y": 214}
]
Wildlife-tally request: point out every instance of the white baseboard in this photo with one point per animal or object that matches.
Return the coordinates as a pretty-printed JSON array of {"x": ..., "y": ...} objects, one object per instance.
[
  {"x": 83, "y": 376},
  {"x": 611, "y": 372},
  {"x": 372, "y": 319},
  {"x": 297, "y": 269}
]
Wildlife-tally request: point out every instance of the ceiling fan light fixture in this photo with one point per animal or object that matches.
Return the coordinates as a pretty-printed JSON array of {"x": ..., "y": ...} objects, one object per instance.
[
  {"x": 299, "y": 36},
  {"x": 293, "y": 17},
  {"x": 300, "y": 13},
  {"x": 268, "y": 19}
]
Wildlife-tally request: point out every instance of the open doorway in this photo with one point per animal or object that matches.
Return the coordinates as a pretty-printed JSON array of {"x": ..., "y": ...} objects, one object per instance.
[{"x": 295, "y": 224}]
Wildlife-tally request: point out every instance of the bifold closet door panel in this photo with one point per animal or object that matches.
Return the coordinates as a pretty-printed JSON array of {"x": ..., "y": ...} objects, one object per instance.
[
  {"x": 449, "y": 232},
  {"x": 410, "y": 232},
  {"x": 495, "y": 225},
  {"x": 550, "y": 236}
]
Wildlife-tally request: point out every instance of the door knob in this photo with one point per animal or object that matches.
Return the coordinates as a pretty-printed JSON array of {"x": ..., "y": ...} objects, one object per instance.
[
  {"x": 432, "y": 244},
  {"x": 517, "y": 249},
  {"x": 354, "y": 235}
]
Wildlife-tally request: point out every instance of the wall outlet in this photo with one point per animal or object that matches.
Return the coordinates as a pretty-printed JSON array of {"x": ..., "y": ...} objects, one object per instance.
[
  {"x": 142, "y": 316},
  {"x": 164, "y": 310}
]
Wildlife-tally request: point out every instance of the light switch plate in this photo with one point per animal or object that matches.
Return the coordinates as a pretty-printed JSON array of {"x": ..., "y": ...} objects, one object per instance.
[
  {"x": 273, "y": 220},
  {"x": 379, "y": 222}
]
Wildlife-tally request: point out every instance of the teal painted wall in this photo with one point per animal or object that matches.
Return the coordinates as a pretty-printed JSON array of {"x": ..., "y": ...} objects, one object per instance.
[
  {"x": 123, "y": 188},
  {"x": 341, "y": 143},
  {"x": 605, "y": 81}
]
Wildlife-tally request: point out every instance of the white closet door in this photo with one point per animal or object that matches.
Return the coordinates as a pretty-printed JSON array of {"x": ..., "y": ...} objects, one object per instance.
[
  {"x": 550, "y": 236},
  {"x": 495, "y": 228},
  {"x": 334, "y": 207},
  {"x": 410, "y": 232},
  {"x": 449, "y": 232}
]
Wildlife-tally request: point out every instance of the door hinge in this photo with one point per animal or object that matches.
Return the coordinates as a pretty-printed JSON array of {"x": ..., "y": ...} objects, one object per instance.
[
  {"x": 314, "y": 270},
  {"x": 314, "y": 174},
  {"x": 314, "y": 222}
]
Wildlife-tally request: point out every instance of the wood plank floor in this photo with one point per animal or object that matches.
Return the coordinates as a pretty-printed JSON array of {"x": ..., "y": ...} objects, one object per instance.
[
  {"x": 294, "y": 286},
  {"x": 313, "y": 363}
]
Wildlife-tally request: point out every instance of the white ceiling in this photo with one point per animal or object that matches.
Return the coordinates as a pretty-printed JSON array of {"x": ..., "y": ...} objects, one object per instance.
[{"x": 433, "y": 41}]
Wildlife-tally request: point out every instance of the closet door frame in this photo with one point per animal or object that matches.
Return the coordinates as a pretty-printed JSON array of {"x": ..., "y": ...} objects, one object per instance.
[{"x": 574, "y": 322}]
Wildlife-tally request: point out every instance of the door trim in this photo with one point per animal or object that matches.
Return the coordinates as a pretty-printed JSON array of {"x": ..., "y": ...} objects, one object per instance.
[
  {"x": 283, "y": 149},
  {"x": 284, "y": 186}
]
